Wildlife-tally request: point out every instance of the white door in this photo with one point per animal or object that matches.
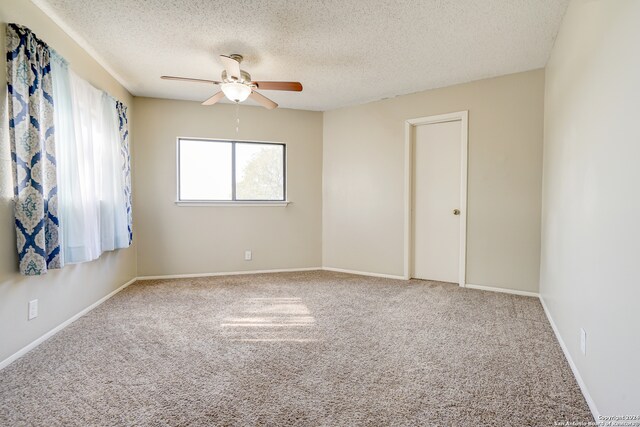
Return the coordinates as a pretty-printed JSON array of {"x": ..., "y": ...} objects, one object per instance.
[{"x": 436, "y": 201}]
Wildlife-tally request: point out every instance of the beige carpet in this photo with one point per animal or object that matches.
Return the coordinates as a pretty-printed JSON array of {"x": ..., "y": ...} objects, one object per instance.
[{"x": 314, "y": 348}]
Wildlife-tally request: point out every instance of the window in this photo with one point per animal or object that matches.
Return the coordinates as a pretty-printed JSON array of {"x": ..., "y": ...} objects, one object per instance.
[
  {"x": 70, "y": 158},
  {"x": 230, "y": 171}
]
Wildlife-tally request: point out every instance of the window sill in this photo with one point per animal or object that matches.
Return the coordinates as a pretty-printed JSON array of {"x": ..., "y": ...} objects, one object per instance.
[{"x": 233, "y": 204}]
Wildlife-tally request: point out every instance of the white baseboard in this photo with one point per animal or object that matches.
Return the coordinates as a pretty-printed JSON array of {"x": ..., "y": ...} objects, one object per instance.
[
  {"x": 364, "y": 273},
  {"x": 60, "y": 327},
  {"x": 574, "y": 368},
  {"x": 226, "y": 273},
  {"x": 66, "y": 323},
  {"x": 502, "y": 290}
]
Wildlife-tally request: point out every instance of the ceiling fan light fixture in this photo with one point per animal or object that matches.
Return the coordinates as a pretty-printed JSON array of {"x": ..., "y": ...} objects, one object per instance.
[
  {"x": 236, "y": 92},
  {"x": 237, "y": 85}
]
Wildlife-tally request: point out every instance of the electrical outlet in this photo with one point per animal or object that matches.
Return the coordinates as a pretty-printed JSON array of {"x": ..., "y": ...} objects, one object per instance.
[
  {"x": 33, "y": 309},
  {"x": 583, "y": 341},
  {"x": 247, "y": 255}
]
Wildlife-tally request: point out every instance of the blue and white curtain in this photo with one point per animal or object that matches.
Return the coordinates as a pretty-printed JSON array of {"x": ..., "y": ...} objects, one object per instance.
[
  {"x": 73, "y": 195},
  {"x": 31, "y": 134},
  {"x": 123, "y": 124}
]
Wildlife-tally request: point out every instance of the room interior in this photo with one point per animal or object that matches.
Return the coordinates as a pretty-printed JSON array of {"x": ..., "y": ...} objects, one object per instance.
[{"x": 177, "y": 326}]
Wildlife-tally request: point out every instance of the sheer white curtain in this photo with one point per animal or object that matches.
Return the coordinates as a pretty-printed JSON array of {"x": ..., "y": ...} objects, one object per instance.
[
  {"x": 92, "y": 206},
  {"x": 113, "y": 211}
]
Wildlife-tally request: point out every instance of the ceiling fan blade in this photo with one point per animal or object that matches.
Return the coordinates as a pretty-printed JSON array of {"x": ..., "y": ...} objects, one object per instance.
[
  {"x": 187, "y": 79},
  {"x": 215, "y": 98},
  {"x": 292, "y": 86},
  {"x": 232, "y": 66},
  {"x": 262, "y": 100}
]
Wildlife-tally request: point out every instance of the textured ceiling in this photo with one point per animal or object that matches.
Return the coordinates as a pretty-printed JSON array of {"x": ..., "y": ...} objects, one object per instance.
[{"x": 344, "y": 52}]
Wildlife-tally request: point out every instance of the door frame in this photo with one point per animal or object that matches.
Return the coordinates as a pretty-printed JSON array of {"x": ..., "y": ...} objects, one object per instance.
[{"x": 463, "y": 117}]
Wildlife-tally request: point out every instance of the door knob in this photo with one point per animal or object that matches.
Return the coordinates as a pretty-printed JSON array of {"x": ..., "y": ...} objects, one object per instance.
[{"x": 456, "y": 211}]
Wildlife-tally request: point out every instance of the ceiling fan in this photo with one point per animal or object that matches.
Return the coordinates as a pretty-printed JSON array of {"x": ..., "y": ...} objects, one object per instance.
[{"x": 237, "y": 85}]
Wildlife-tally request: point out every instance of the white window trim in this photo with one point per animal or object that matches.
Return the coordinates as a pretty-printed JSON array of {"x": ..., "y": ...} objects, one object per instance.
[{"x": 232, "y": 203}]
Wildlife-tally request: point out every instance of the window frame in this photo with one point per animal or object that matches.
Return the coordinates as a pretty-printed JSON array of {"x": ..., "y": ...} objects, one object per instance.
[{"x": 234, "y": 201}]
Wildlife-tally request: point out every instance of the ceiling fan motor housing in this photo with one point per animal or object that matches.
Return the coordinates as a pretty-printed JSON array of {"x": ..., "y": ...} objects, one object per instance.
[{"x": 245, "y": 77}]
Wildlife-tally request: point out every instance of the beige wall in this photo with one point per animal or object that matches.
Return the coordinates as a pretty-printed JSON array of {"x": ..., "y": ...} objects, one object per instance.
[
  {"x": 363, "y": 211},
  {"x": 345, "y": 179},
  {"x": 591, "y": 232},
  {"x": 61, "y": 293},
  {"x": 206, "y": 239}
]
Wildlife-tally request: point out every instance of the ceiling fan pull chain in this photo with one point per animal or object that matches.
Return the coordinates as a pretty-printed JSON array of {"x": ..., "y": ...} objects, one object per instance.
[{"x": 237, "y": 119}]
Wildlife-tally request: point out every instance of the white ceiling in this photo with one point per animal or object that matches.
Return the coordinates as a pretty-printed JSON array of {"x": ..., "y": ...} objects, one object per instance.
[{"x": 344, "y": 52}]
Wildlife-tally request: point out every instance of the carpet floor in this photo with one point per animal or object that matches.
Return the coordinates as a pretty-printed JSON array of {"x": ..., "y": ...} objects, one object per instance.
[{"x": 310, "y": 348}]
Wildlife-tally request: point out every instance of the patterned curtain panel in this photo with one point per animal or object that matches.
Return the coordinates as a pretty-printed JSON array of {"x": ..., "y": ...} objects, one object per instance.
[
  {"x": 32, "y": 151},
  {"x": 126, "y": 163}
]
